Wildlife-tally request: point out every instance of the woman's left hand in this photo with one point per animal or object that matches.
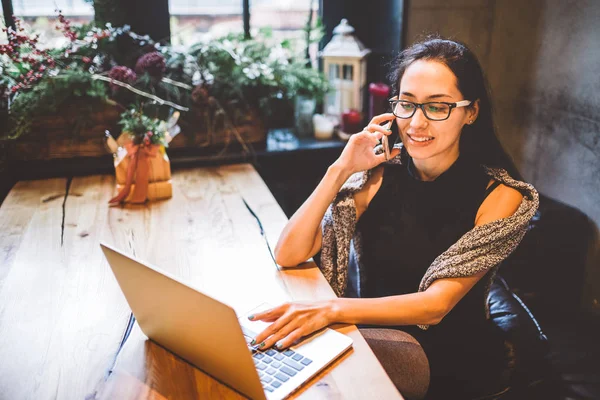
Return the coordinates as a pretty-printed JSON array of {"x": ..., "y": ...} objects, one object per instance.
[{"x": 292, "y": 321}]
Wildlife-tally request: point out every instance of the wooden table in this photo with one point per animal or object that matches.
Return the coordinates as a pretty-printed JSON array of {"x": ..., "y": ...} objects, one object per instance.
[{"x": 63, "y": 316}]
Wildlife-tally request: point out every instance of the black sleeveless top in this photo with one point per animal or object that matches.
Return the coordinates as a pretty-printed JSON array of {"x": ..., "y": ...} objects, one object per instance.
[{"x": 408, "y": 224}]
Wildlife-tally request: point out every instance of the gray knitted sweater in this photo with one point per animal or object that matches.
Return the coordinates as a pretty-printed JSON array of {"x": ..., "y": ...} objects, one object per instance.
[{"x": 480, "y": 249}]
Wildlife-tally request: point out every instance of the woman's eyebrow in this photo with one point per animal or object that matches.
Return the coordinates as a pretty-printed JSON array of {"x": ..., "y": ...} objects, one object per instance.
[{"x": 433, "y": 96}]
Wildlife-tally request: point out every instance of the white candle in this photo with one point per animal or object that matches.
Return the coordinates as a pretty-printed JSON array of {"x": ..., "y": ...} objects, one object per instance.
[{"x": 323, "y": 127}]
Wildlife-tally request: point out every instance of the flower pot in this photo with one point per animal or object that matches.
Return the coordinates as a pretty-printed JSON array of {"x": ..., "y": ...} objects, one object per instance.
[{"x": 142, "y": 173}]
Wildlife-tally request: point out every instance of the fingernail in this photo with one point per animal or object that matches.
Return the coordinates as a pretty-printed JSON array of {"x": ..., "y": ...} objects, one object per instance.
[
  {"x": 278, "y": 345},
  {"x": 253, "y": 342},
  {"x": 251, "y": 317},
  {"x": 262, "y": 345}
]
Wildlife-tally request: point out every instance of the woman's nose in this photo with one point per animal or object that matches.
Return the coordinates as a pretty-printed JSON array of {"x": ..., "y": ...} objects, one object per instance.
[{"x": 418, "y": 119}]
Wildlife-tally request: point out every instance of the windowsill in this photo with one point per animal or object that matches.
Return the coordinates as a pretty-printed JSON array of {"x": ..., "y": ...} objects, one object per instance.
[
  {"x": 278, "y": 142},
  {"x": 298, "y": 144}
]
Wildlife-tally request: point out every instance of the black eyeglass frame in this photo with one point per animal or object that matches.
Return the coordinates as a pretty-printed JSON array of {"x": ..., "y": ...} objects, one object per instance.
[{"x": 393, "y": 101}]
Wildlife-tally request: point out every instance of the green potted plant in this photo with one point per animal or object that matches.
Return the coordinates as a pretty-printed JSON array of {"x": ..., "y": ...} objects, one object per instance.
[
  {"x": 63, "y": 99},
  {"x": 262, "y": 73},
  {"x": 228, "y": 88}
]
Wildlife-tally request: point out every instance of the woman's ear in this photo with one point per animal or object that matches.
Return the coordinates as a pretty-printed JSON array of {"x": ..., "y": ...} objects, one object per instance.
[{"x": 473, "y": 111}]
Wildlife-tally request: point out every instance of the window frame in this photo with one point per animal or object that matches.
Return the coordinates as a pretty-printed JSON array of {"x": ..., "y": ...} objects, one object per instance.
[{"x": 8, "y": 12}]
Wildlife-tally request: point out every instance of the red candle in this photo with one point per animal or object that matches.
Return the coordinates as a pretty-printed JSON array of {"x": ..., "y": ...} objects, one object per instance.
[
  {"x": 378, "y": 99},
  {"x": 351, "y": 121}
]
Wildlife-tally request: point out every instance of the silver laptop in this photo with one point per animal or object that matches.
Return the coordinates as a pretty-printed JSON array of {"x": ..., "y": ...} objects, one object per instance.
[{"x": 209, "y": 335}]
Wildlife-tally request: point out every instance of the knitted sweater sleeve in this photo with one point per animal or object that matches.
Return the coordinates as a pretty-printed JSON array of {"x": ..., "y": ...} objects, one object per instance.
[{"x": 339, "y": 224}]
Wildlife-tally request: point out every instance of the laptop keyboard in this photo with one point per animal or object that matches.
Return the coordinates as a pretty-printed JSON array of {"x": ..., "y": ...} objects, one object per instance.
[{"x": 277, "y": 367}]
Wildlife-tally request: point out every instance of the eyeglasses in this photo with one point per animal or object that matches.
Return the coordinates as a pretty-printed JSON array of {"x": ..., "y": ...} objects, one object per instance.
[{"x": 434, "y": 111}]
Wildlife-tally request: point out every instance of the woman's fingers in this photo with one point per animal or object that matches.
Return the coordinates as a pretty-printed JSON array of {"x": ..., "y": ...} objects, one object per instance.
[
  {"x": 272, "y": 313},
  {"x": 297, "y": 321},
  {"x": 378, "y": 119},
  {"x": 278, "y": 338},
  {"x": 276, "y": 326},
  {"x": 378, "y": 135},
  {"x": 376, "y": 128},
  {"x": 381, "y": 157},
  {"x": 290, "y": 339},
  {"x": 366, "y": 136}
]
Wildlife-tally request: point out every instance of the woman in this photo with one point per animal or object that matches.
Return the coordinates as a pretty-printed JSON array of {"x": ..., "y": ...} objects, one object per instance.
[{"x": 422, "y": 219}]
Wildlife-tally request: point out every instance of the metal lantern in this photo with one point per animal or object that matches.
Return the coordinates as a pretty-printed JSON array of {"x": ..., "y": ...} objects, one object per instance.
[{"x": 345, "y": 64}]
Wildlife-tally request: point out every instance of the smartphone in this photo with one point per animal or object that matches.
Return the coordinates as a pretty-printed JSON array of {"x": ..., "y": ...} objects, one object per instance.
[{"x": 388, "y": 141}]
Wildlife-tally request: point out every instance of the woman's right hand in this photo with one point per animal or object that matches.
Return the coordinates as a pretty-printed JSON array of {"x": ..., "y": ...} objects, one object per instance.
[
  {"x": 359, "y": 154},
  {"x": 302, "y": 236}
]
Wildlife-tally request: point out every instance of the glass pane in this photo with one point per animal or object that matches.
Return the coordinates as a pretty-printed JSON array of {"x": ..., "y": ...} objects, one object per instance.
[
  {"x": 437, "y": 110},
  {"x": 40, "y": 16},
  {"x": 348, "y": 72},
  {"x": 287, "y": 18},
  {"x": 404, "y": 109},
  {"x": 334, "y": 71},
  {"x": 195, "y": 20}
]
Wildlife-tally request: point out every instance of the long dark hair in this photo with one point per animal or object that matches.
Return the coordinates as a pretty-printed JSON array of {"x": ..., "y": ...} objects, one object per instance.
[{"x": 478, "y": 142}]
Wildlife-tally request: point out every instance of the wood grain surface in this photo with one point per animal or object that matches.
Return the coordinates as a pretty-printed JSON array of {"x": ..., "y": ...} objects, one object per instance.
[{"x": 63, "y": 317}]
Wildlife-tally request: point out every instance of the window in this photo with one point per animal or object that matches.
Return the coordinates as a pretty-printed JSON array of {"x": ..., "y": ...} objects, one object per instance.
[
  {"x": 190, "y": 20},
  {"x": 287, "y": 18},
  {"x": 194, "y": 20},
  {"x": 41, "y": 16}
]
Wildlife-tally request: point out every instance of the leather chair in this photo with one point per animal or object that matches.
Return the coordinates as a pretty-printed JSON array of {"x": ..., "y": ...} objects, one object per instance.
[
  {"x": 527, "y": 346},
  {"x": 547, "y": 271}
]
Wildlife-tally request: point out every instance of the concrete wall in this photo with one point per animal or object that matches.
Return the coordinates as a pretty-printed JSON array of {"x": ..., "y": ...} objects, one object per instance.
[{"x": 542, "y": 58}]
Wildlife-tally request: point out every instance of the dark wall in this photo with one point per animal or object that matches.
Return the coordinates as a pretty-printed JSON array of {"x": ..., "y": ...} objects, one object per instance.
[
  {"x": 543, "y": 62},
  {"x": 148, "y": 17}
]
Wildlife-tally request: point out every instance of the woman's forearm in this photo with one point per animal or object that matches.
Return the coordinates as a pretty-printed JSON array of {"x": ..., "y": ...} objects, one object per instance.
[
  {"x": 303, "y": 229},
  {"x": 408, "y": 309}
]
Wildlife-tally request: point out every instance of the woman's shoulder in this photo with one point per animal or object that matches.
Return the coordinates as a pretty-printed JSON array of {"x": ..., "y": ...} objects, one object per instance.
[{"x": 502, "y": 202}]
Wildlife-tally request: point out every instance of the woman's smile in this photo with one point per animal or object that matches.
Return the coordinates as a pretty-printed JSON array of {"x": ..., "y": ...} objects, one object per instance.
[{"x": 420, "y": 140}]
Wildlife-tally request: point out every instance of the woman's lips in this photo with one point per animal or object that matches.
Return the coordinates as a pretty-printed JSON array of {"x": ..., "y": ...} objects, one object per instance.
[{"x": 420, "y": 140}]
